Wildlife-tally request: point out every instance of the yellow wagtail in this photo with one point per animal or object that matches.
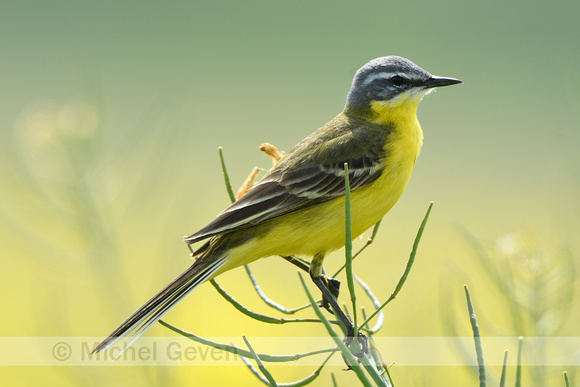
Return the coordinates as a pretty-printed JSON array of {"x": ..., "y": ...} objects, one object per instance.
[{"x": 298, "y": 208}]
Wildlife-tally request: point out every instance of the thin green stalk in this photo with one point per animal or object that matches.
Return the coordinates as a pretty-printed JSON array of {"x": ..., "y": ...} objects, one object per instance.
[
  {"x": 255, "y": 371},
  {"x": 376, "y": 303},
  {"x": 299, "y": 383},
  {"x": 309, "y": 379},
  {"x": 566, "y": 379},
  {"x": 334, "y": 383},
  {"x": 407, "y": 268},
  {"x": 258, "y": 316},
  {"x": 476, "y": 339},
  {"x": 503, "y": 370},
  {"x": 346, "y": 311},
  {"x": 519, "y": 366},
  {"x": 370, "y": 240},
  {"x": 261, "y": 366},
  {"x": 244, "y": 353},
  {"x": 348, "y": 248},
  {"x": 226, "y": 176},
  {"x": 267, "y": 300}
]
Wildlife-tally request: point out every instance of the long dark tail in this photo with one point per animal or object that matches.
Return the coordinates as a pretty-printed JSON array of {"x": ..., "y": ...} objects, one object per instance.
[{"x": 147, "y": 315}]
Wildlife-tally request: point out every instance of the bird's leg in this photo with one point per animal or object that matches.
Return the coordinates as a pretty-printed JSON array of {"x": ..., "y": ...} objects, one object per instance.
[
  {"x": 333, "y": 286},
  {"x": 323, "y": 284}
]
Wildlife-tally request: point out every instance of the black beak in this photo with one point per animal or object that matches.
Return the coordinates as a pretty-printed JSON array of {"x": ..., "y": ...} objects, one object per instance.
[{"x": 436, "y": 81}]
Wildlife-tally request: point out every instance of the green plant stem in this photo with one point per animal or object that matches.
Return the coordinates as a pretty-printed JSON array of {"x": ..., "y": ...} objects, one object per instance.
[
  {"x": 267, "y": 300},
  {"x": 503, "y": 370},
  {"x": 261, "y": 366},
  {"x": 476, "y": 339},
  {"x": 376, "y": 303},
  {"x": 348, "y": 248},
  {"x": 299, "y": 383},
  {"x": 519, "y": 365},
  {"x": 258, "y": 316},
  {"x": 255, "y": 371},
  {"x": 226, "y": 176},
  {"x": 244, "y": 353},
  {"x": 410, "y": 262},
  {"x": 334, "y": 383}
]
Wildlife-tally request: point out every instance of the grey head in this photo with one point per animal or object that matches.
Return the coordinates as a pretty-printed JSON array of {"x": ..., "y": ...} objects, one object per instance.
[{"x": 388, "y": 77}]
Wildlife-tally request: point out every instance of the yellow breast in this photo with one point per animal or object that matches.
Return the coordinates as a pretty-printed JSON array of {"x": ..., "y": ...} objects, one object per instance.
[{"x": 402, "y": 149}]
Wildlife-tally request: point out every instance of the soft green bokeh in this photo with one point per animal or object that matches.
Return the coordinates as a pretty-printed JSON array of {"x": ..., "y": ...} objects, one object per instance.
[{"x": 110, "y": 119}]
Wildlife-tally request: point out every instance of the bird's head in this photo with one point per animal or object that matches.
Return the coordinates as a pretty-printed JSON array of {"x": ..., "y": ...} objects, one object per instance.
[{"x": 391, "y": 84}]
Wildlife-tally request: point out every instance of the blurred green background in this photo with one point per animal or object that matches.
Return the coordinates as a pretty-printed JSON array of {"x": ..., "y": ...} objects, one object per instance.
[{"x": 110, "y": 118}]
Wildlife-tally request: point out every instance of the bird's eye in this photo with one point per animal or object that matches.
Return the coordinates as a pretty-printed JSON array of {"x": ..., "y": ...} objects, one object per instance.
[{"x": 397, "y": 80}]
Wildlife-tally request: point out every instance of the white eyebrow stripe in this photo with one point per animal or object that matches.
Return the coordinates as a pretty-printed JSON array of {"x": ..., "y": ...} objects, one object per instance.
[{"x": 383, "y": 75}]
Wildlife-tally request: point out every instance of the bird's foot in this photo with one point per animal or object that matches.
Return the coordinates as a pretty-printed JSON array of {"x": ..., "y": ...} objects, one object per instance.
[{"x": 333, "y": 285}]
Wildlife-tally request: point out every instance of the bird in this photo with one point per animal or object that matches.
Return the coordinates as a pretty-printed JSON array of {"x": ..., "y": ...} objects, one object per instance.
[{"x": 298, "y": 207}]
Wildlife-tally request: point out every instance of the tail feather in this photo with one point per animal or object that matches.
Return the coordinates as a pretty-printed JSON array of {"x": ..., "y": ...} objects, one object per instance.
[{"x": 154, "y": 309}]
